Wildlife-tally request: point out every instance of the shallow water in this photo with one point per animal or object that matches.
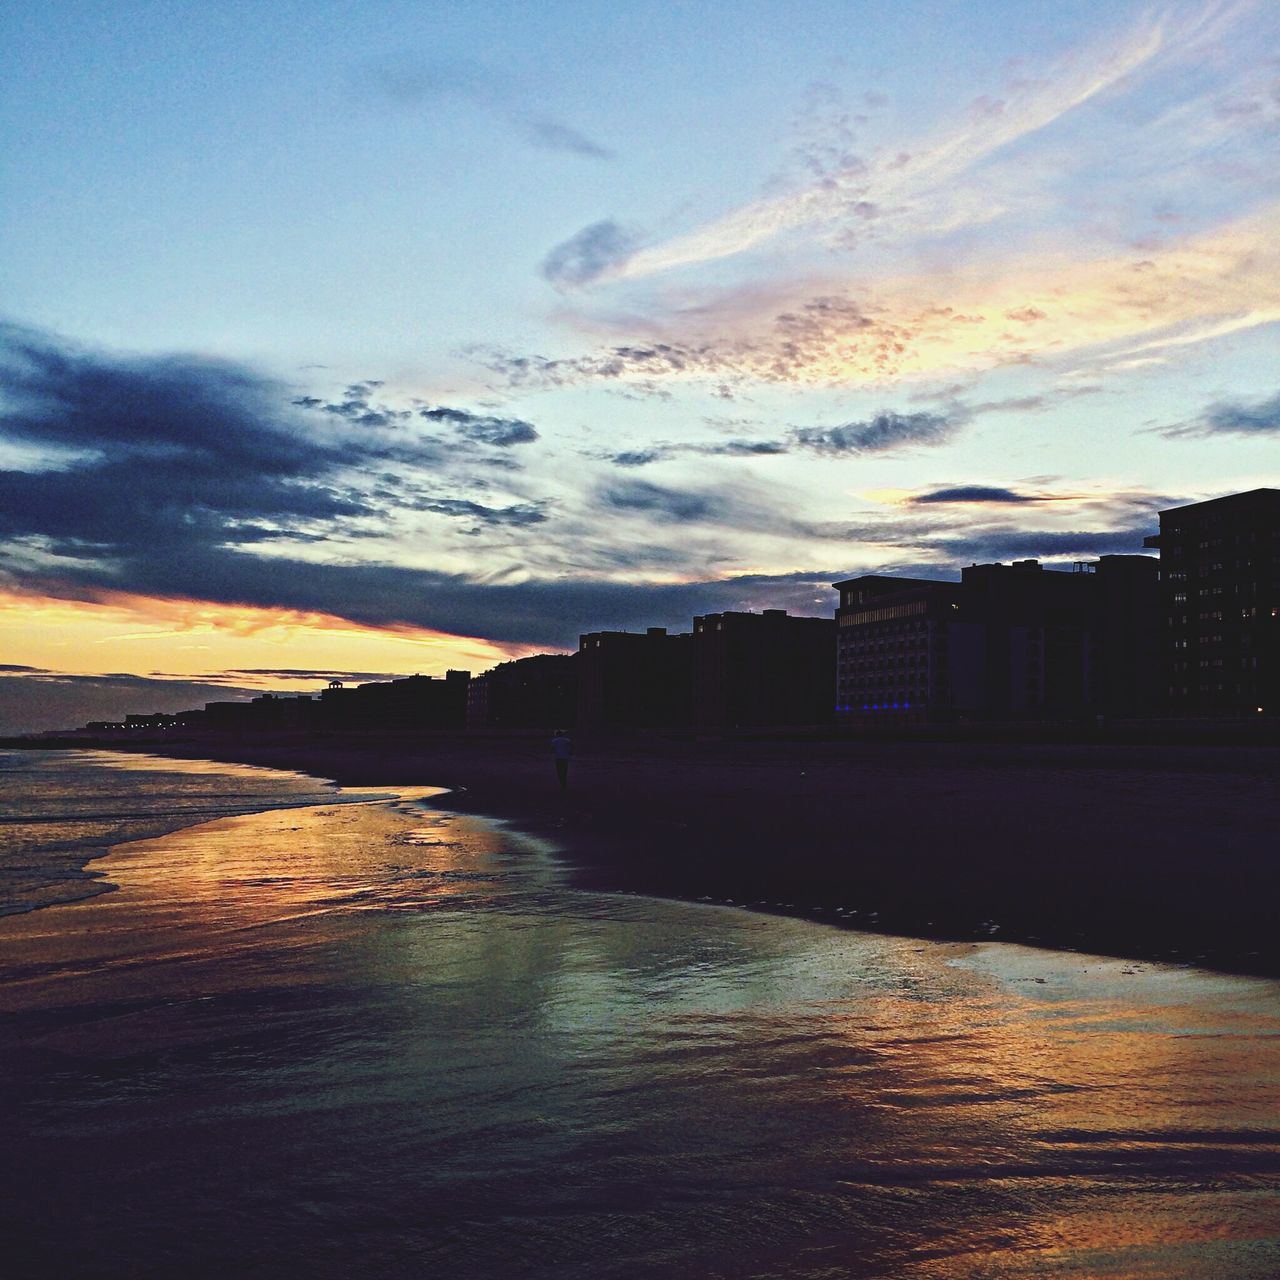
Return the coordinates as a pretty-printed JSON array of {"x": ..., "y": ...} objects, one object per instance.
[
  {"x": 382, "y": 1040},
  {"x": 59, "y": 809}
]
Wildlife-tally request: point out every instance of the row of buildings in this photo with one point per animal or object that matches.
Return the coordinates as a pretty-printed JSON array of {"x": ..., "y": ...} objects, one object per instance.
[{"x": 1194, "y": 632}]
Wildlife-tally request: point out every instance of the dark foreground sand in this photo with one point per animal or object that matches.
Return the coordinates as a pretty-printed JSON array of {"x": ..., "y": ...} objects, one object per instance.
[{"x": 1163, "y": 852}]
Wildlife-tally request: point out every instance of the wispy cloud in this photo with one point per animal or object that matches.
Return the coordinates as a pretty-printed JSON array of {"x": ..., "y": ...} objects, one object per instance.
[
  {"x": 885, "y": 432},
  {"x": 964, "y": 319},
  {"x": 880, "y": 434},
  {"x": 914, "y": 186},
  {"x": 422, "y": 83},
  {"x": 1256, "y": 418}
]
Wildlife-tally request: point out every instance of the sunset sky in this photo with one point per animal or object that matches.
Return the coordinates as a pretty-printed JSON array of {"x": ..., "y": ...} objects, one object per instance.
[{"x": 365, "y": 339}]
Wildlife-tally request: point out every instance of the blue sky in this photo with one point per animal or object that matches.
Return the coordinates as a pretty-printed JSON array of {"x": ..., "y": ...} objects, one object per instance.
[{"x": 452, "y": 330}]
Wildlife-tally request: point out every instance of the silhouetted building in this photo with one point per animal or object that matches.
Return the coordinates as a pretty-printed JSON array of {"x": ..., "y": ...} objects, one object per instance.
[
  {"x": 1007, "y": 642},
  {"x": 274, "y": 711},
  {"x": 630, "y": 680},
  {"x": 539, "y": 692},
  {"x": 1029, "y": 628},
  {"x": 416, "y": 702},
  {"x": 753, "y": 670},
  {"x": 1126, "y": 660},
  {"x": 229, "y": 717},
  {"x": 1220, "y": 600}
]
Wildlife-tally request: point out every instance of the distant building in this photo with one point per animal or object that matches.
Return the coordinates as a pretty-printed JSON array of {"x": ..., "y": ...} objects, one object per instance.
[
  {"x": 753, "y": 670},
  {"x": 1007, "y": 642},
  {"x": 1220, "y": 604},
  {"x": 275, "y": 711},
  {"x": 157, "y": 720},
  {"x": 634, "y": 680},
  {"x": 229, "y": 717},
  {"x": 539, "y": 692},
  {"x": 415, "y": 702}
]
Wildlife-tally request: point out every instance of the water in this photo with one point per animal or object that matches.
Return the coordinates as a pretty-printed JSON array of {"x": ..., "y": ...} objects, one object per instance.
[
  {"x": 378, "y": 1039},
  {"x": 59, "y": 809}
]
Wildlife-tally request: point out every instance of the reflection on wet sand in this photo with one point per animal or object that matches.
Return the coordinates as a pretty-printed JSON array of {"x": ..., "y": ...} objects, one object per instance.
[{"x": 377, "y": 1037}]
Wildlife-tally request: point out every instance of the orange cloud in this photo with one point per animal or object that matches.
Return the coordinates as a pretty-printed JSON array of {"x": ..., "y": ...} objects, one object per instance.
[
  {"x": 120, "y": 631},
  {"x": 1037, "y": 308}
]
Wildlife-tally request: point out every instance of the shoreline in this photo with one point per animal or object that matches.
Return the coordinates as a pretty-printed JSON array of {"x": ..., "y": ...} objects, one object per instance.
[{"x": 1153, "y": 853}]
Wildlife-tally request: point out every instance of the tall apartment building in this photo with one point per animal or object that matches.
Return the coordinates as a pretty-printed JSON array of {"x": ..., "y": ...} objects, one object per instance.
[
  {"x": 1220, "y": 600},
  {"x": 892, "y": 647},
  {"x": 634, "y": 680},
  {"x": 1006, "y": 642},
  {"x": 753, "y": 670},
  {"x": 539, "y": 692}
]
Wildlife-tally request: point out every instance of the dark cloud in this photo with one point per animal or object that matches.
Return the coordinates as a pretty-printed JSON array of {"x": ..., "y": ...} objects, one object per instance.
[
  {"x": 539, "y": 611},
  {"x": 976, "y": 493},
  {"x": 715, "y": 449},
  {"x": 356, "y": 407},
  {"x": 1233, "y": 417},
  {"x": 879, "y": 434},
  {"x": 168, "y": 453},
  {"x": 166, "y": 466},
  {"x": 639, "y": 457},
  {"x": 589, "y": 254},
  {"x": 999, "y": 544},
  {"x": 518, "y": 514},
  {"x": 17, "y": 666},
  {"x": 668, "y": 504},
  {"x": 743, "y": 448},
  {"x": 502, "y": 433}
]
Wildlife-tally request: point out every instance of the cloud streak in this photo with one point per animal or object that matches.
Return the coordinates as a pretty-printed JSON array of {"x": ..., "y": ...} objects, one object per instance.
[
  {"x": 889, "y": 188},
  {"x": 423, "y": 84},
  {"x": 965, "y": 319},
  {"x": 1251, "y": 418}
]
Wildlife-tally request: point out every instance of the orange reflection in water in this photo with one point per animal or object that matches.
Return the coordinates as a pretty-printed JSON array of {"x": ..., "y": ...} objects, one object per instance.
[{"x": 204, "y": 895}]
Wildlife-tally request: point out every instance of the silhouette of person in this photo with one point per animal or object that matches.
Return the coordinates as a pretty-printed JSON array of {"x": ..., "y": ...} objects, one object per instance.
[{"x": 561, "y": 749}]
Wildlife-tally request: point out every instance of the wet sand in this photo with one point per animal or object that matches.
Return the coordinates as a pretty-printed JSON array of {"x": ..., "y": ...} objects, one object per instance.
[{"x": 1145, "y": 851}]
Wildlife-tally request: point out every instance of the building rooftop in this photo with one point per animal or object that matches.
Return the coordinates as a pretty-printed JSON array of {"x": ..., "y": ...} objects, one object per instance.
[{"x": 1250, "y": 498}]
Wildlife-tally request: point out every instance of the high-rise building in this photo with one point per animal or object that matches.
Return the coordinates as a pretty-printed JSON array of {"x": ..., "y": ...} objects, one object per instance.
[
  {"x": 539, "y": 692},
  {"x": 634, "y": 680},
  {"x": 753, "y": 670},
  {"x": 1220, "y": 600},
  {"x": 1006, "y": 642},
  {"x": 892, "y": 647}
]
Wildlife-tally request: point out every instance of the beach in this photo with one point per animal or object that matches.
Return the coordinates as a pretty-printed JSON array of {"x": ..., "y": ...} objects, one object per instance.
[
  {"x": 375, "y": 1036},
  {"x": 1139, "y": 850}
]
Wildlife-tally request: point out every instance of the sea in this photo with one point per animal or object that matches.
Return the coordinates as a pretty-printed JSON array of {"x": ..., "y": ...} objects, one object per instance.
[{"x": 256, "y": 1025}]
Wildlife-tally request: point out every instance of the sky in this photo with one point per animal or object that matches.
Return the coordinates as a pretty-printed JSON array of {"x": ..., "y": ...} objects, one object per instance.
[{"x": 359, "y": 340}]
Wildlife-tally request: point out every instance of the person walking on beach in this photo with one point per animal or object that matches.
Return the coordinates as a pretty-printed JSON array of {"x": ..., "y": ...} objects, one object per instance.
[{"x": 561, "y": 748}]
